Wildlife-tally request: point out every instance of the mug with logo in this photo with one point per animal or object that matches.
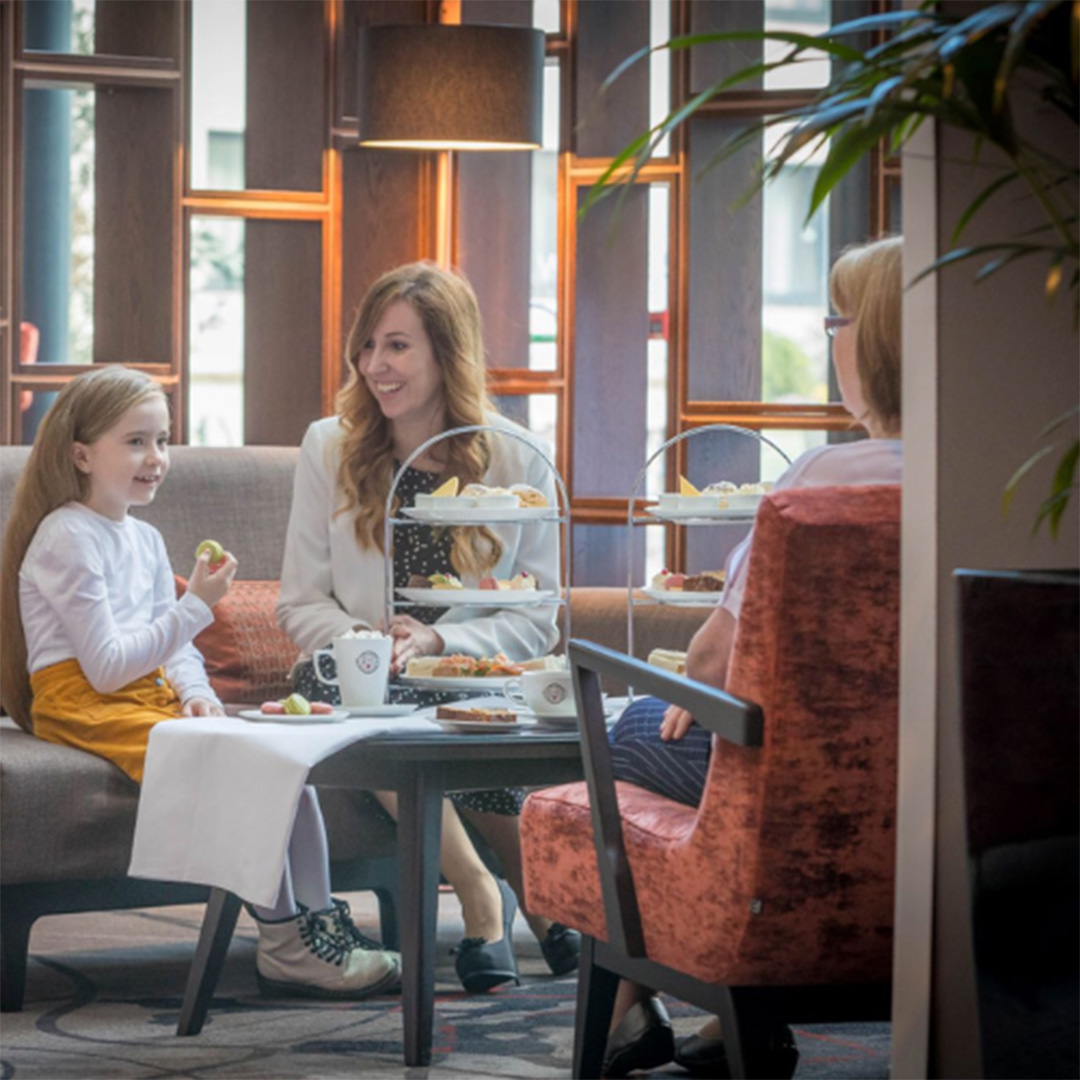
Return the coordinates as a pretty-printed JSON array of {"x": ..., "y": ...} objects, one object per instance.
[
  {"x": 544, "y": 693},
  {"x": 363, "y": 667}
]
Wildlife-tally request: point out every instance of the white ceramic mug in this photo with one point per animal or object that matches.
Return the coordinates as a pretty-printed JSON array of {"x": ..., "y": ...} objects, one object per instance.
[
  {"x": 363, "y": 669},
  {"x": 545, "y": 693}
]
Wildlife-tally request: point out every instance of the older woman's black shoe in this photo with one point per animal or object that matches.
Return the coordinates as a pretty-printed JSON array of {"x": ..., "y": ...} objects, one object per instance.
[
  {"x": 708, "y": 1057},
  {"x": 643, "y": 1039}
]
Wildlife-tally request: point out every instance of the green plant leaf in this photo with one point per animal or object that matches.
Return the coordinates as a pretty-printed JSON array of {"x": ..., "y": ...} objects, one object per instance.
[
  {"x": 979, "y": 200},
  {"x": 1018, "y": 476},
  {"x": 1058, "y": 421},
  {"x": 1024, "y": 25}
]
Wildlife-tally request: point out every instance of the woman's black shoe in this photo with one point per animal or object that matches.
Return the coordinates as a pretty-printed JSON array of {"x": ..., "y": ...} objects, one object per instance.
[
  {"x": 561, "y": 948},
  {"x": 708, "y": 1057},
  {"x": 482, "y": 965},
  {"x": 643, "y": 1039}
]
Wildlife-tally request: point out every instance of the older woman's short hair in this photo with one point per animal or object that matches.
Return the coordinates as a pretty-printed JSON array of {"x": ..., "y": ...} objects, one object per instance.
[{"x": 866, "y": 285}]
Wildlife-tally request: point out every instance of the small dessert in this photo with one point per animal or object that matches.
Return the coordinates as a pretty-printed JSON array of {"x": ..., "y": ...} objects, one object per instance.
[
  {"x": 272, "y": 708},
  {"x": 686, "y": 488},
  {"x": 722, "y": 487},
  {"x": 447, "y": 490},
  {"x": 418, "y": 581},
  {"x": 476, "y": 715},
  {"x": 668, "y": 581},
  {"x": 438, "y": 498},
  {"x": 216, "y": 552},
  {"x": 488, "y": 583},
  {"x": 669, "y": 660},
  {"x": 445, "y": 581},
  {"x": 491, "y": 498},
  {"x": 545, "y": 663},
  {"x": 528, "y": 495},
  {"x": 458, "y": 666},
  {"x": 524, "y": 580},
  {"x": 711, "y": 582}
]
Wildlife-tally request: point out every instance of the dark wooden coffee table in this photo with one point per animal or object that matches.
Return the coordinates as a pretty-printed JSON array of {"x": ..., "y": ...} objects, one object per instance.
[{"x": 421, "y": 769}]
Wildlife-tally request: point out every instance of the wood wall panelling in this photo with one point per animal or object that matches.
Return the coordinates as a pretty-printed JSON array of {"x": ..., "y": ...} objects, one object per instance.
[
  {"x": 712, "y": 62},
  {"x": 286, "y": 95},
  {"x": 611, "y": 334},
  {"x": 380, "y": 225},
  {"x": 353, "y": 15},
  {"x": 154, "y": 33},
  {"x": 135, "y": 194},
  {"x": 282, "y": 330},
  {"x": 602, "y": 554},
  {"x": 607, "y": 32},
  {"x": 725, "y": 248},
  {"x": 493, "y": 248}
]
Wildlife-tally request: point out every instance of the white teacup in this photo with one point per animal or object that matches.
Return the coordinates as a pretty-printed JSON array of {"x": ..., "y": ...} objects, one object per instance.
[
  {"x": 545, "y": 693},
  {"x": 363, "y": 669}
]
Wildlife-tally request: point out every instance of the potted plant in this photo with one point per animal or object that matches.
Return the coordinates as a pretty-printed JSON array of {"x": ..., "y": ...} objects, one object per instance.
[{"x": 961, "y": 71}]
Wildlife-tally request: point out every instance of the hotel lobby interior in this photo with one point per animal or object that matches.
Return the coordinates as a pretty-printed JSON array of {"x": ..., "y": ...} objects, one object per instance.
[{"x": 884, "y": 859}]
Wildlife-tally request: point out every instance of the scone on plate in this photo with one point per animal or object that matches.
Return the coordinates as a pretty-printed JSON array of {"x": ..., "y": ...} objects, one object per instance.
[{"x": 669, "y": 660}]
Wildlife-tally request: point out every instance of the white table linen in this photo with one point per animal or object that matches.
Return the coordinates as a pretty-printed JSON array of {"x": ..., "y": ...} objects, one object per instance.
[{"x": 219, "y": 797}]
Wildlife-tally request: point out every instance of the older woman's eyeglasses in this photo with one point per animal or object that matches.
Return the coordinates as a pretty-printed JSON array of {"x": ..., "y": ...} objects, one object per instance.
[{"x": 834, "y": 322}]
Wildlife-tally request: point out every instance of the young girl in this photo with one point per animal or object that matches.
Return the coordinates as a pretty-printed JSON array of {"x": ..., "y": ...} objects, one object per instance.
[{"x": 97, "y": 649}]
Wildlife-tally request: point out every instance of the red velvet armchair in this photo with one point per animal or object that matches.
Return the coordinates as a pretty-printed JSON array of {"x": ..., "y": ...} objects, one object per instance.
[{"x": 772, "y": 900}]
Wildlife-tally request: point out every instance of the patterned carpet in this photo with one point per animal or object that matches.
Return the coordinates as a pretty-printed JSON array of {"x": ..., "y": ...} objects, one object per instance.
[{"x": 103, "y": 996}]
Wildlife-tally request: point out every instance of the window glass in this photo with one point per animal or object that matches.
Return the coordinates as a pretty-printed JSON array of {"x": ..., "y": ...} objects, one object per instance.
[
  {"x": 660, "y": 70},
  {"x": 544, "y": 254},
  {"x": 58, "y": 222},
  {"x": 546, "y": 16},
  {"x": 216, "y": 332},
  {"x": 537, "y": 412},
  {"x": 218, "y": 93},
  {"x": 801, "y": 17},
  {"x": 102, "y": 27}
]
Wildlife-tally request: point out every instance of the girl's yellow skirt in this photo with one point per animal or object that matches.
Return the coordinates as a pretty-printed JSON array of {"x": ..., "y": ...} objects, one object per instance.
[{"x": 69, "y": 711}]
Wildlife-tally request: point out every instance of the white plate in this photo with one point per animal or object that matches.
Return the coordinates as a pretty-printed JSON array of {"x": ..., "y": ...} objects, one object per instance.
[
  {"x": 475, "y": 514},
  {"x": 483, "y": 597},
  {"x": 673, "y": 596},
  {"x": 731, "y": 514},
  {"x": 377, "y": 710},
  {"x": 494, "y": 683},
  {"x": 481, "y": 727},
  {"x": 315, "y": 718}
]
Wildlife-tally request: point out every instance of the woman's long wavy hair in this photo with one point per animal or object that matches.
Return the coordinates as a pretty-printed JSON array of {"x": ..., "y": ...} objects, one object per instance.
[
  {"x": 448, "y": 309},
  {"x": 83, "y": 411}
]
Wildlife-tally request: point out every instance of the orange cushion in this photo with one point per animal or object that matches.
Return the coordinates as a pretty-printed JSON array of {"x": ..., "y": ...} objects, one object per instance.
[{"x": 248, "y": 656}]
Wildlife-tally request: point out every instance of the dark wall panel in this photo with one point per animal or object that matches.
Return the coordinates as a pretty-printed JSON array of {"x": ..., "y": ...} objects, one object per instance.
[
  {"x": 493, "y": 233},
  {"x": 608, "y": 32},
  {"x": 357, "y": 13},
  {"x": 282, "y": 331},
  {"x": 725, "y": 272},
  {"x": 379, "y": 220},
  {"x": 713, "y": 62},
  {"x": 133, "y": 224},
  {"x": 286, "y": 100},
  {"x": 610, "y": 360}
]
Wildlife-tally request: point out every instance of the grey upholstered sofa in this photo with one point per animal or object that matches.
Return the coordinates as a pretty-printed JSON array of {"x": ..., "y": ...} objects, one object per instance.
[{"x": 67, "y": 818}]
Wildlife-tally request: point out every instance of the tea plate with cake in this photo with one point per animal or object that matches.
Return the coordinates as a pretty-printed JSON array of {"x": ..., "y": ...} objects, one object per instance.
[
  {"x": 477, "y": 597},
  {"x": 478, "y": 515},
  {"x": 479, "y": 720},
  {"x": 259, "y": 717}
]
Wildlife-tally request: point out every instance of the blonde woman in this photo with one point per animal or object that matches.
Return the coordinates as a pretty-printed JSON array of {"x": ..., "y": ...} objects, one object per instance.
[
  {"x": 416, "y": 369},
  {"x": 98, "y": 650},
  {"x": 658, "y": 746}
]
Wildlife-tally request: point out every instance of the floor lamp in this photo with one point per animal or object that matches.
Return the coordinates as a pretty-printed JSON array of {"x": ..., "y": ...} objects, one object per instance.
[{"x": 429, "y": 86}]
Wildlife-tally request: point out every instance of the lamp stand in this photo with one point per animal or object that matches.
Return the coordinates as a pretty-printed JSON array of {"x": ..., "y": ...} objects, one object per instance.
[{"x": 444, "y": 207}]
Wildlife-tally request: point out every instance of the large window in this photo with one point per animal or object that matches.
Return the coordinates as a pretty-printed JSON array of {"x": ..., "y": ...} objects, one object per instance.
[{"x": 231, "y": 272}]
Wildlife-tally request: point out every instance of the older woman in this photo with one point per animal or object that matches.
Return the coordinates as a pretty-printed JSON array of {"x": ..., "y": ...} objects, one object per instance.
[
  {"x": 658, "y": 746},
  {"x": 417, "y": 369}
]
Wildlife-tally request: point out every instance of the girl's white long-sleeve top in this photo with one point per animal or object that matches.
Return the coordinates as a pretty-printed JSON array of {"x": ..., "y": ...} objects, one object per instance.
[
  {"x": 329, "y": 583},
  {"x": 102, "y": 592}
]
